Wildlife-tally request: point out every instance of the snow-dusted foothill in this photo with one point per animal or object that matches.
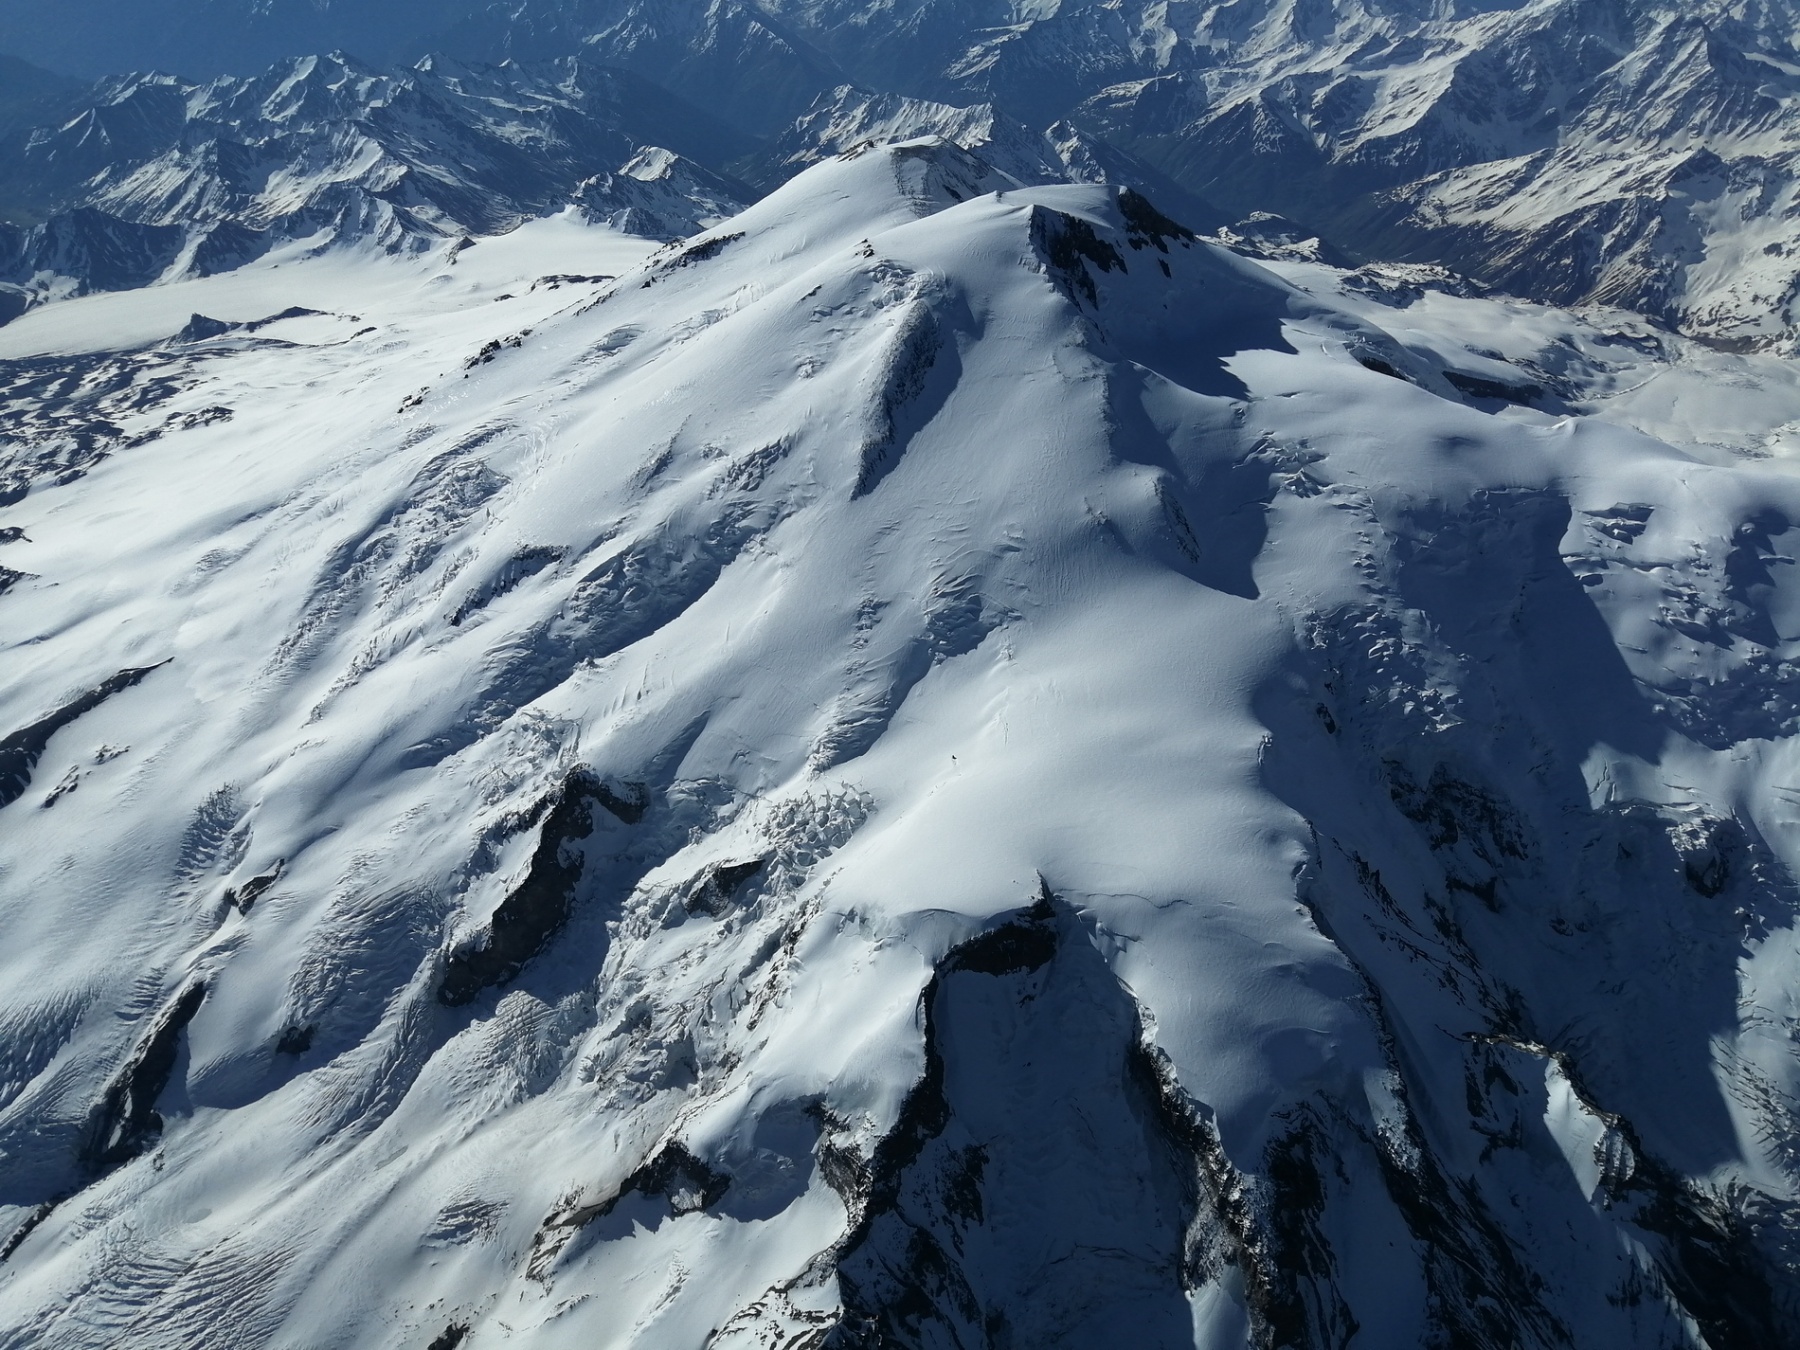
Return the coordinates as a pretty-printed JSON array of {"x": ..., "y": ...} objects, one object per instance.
[{"x": 937, "y": 764}]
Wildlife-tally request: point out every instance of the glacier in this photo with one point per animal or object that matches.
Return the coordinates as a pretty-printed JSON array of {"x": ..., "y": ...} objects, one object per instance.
[{"x": 940, "y": 763}]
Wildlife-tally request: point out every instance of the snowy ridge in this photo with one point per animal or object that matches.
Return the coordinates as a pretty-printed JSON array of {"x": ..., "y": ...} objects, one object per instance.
[
  {"x": 848, "y": 117},
  {"x": 937, "y": 764}
]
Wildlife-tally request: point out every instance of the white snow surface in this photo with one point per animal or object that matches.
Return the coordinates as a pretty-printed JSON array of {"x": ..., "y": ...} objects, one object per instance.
[{"x": 947, "y": 547}]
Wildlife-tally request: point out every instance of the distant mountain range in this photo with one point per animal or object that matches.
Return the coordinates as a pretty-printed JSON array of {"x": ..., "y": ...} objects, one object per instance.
[
  {"x": 1617, "y": 151},
  {"x": 147, "y": 177}
]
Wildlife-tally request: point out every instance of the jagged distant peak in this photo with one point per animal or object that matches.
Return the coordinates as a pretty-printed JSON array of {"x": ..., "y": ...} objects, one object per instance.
[
  {"x": 660, "y": 195},
  {"x": 1378, "y": 126},
  {"x": 653, "y": 162},
  {"x": 848, "y": 116}
]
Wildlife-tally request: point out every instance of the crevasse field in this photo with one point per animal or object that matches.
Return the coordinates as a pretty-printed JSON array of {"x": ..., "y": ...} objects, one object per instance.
[{"x": 938, "y": 764}]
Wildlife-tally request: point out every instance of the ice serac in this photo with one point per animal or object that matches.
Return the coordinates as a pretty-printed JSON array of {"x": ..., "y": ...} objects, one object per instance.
[{"x": 935, "y": 763}]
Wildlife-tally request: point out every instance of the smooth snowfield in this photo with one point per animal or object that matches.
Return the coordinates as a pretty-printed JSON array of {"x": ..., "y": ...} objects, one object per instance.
[{"x": 938, "y": 764}]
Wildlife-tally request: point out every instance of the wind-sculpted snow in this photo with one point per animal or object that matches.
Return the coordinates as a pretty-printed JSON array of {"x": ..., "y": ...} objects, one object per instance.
[{"x": 939, "y": 763}]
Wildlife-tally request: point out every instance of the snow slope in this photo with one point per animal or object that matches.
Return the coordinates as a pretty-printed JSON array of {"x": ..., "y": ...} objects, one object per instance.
[{"x": 938, "y": 764}]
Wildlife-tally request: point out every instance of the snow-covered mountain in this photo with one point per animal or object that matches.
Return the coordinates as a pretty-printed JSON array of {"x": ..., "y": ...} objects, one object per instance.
[
  {"x": 1569, "y": 150},
  {"x": 150, "y": 178},
  {"x": 937, "y": 764},
  {"x": 658, "y": 194},
  {"x": 156, "y": 177}
]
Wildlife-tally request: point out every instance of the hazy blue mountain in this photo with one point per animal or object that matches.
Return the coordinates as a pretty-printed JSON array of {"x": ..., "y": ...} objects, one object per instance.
[
  {"x": 149, "y": 176},
  {"x": 1622, "y": 151}
]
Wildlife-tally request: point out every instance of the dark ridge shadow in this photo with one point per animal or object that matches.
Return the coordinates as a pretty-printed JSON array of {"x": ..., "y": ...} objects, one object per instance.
[
  {"x": 1029, "y": 1194},
  {"x": 1488, "y": 901},
  {"x": 1214, "y": 503}
]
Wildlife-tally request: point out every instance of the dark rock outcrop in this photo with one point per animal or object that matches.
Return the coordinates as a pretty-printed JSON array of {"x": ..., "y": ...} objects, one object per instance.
[{"x": 20, "y": 752}]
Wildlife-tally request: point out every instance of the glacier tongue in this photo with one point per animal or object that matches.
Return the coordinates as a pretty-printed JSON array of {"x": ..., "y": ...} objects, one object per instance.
[{"x": 939, "y": 763}]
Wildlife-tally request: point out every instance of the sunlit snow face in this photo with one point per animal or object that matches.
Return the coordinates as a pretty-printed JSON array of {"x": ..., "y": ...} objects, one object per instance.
[{"x": 1144, "y": 775}]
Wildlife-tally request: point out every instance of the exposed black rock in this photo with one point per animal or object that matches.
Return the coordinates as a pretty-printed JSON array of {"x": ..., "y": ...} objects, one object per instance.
[
  {"x": 1478, "y": 386},
  {"x": 1380, "y": 366},
  {"x": 701, "y": 251},
  {"x": 1144, "y": 224},
  {"x": 493, "y": 347},
  {"x": 244, "y": 896},
  {"x": 291, "y": 312},
  {"x": 295, "y": 1040},
  {"x": 672, "y": 1173},
  {"x": 714, "y": 890},
  {"x": 1067, "y": 244},
  {"x": 557, "y": 280},
  {"x": 126, "y": 1119},
  {"x": 20, "y": 752},
  {"x": 28, "y": 1227},
  {"x": 201, "y": 328},
  {"x": 539, "y": 906},
  {"x": 1018, "y": 945}
]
